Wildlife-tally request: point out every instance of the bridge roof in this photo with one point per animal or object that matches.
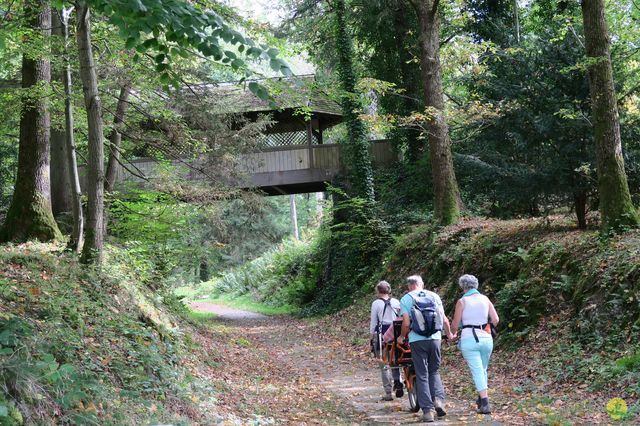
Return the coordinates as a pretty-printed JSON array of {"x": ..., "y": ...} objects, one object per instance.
[{"x": 290, "y": 95}]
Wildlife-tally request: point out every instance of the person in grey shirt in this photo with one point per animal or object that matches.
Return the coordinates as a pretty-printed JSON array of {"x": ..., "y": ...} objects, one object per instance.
[{"x": 384, "y": 310}]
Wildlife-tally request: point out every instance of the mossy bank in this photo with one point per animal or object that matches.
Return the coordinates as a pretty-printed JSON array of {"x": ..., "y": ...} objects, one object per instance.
[{"x": 82, "y": 346}]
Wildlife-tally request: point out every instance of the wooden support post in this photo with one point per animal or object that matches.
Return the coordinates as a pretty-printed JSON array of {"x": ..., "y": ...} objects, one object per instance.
[
  {"x": 316, "y": 125},
  {"x": 310, "y": 144}
]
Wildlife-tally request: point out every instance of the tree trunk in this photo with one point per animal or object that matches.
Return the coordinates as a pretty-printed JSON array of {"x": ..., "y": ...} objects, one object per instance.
[
  {"x": 203, "y": 271},
  {"x": 115, "y": 138},
  {"x": 59, "y": 171},
  {"x": 616, "y": 208},
  {"x": 92, "y": 250},
  {"x": 29, "y": 215},
  {"x": 516, "y": 20},
  {"x": 294, "y": 216},
  {"x": 580, "y": 204},
  {"x": 357, "y": 146},
  {"x": 77, "y": 237},
  {"x": 447, "y": 201},
  {"x": 319, "y": 206}
]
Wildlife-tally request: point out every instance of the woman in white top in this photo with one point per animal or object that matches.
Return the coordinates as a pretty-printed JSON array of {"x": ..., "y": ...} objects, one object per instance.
[
  {"x": 475, "y": 314},
  {"x": 383, "y": 311}
]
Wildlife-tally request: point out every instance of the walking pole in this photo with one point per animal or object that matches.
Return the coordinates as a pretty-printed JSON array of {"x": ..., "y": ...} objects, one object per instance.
[{"x": 380, "y": 340}]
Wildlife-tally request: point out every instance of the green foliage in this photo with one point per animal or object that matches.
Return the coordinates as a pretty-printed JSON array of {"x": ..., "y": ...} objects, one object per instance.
[
  {"x": 492, "y": 20},
  {"x": 629, "y": 363},
  {"x": 171, "y": 242},
  {"x": 8, "y": 149},
  {"x": 280, "y": 277},
  {"x": 528, "y": 159},
  {"x": 351, "y": 251},
  {"x": 405, "y": 193},
  {"x": 175, "y": 28},
  {"x": 325, "y": 272},
  {"x": 23, "y": 367}
]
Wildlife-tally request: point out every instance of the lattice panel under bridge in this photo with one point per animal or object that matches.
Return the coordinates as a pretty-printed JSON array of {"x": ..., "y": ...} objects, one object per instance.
[{"x": 274, "y": 140}]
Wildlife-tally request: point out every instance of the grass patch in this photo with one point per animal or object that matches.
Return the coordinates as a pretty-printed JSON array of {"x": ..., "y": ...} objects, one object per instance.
[{"x": 200, "y": 316}]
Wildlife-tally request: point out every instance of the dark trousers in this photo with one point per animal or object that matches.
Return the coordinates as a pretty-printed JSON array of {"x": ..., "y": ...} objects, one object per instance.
[{"x": 425, "y": 355}]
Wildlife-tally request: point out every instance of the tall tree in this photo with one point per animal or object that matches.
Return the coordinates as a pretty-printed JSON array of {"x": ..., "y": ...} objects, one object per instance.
[
  {"x": 447, "y": 201},
  {"x": 60, "y": 185},
  {"x": 94, "y": 238},
  {"x": 77, "y": 235},
  {"x": 615, "y": 205},
  {"x": 29, "y": 215},
  {"x": 357, "y": 145}
]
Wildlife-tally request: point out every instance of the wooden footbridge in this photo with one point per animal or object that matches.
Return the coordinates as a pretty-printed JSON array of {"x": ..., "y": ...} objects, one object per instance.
[
  {"x": 292, "y": 157},
  {"x": 276, "y": 171}
]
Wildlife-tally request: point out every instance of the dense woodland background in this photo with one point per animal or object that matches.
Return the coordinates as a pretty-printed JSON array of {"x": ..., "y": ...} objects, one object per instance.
[{"x": 517, "y": 128}]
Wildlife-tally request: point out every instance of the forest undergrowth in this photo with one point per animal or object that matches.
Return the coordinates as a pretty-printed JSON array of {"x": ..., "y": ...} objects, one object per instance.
[{"x": 107, "y": 346}]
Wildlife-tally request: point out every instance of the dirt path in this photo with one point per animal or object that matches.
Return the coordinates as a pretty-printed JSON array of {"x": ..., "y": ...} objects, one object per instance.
[{"x": 335, "y": 370}]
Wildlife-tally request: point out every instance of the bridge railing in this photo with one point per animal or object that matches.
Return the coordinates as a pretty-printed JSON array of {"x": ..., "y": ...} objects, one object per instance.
[
  {"x": 326, "y": 156},
  {"x": 322, "y": 160}
]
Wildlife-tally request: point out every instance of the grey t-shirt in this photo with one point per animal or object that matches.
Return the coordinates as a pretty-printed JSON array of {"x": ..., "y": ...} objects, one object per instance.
[{"x": 377, "y": 308}]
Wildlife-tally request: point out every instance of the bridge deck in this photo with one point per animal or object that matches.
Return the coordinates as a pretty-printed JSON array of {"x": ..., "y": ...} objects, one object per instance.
[{"x": 282, "y": 170}]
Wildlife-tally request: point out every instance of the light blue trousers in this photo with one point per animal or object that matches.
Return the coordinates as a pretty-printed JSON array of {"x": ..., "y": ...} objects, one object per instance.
[{"x": 477, "y": 356}]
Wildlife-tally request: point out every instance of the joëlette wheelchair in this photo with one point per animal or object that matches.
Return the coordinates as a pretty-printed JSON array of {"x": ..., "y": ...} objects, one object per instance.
[{"x": 399, "y": 356}]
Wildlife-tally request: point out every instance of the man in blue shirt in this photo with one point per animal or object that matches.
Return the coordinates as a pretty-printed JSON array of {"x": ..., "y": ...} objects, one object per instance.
[{"x": 425, "y": 351}]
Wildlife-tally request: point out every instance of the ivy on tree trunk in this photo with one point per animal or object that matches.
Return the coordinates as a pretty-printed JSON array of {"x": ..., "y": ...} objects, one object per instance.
[
  {"x": 447, "y": 201},
  {"x": 357, "y": 146},
  {"x": 30, "y": 216},
  {"x": 616, "y": 207}
]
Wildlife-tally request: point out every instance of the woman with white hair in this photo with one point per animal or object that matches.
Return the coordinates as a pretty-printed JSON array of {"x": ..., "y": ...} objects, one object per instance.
[{"x": 475, "y": 314}]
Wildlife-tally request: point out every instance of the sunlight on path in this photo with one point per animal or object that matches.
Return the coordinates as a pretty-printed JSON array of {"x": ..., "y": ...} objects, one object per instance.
[
  {"x": 225, "y": 313},
  {"x": 329, "y": 364}
]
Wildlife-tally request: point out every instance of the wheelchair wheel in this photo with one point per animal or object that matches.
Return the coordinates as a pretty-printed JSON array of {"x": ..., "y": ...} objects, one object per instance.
[{"x": 411, "y": 390}]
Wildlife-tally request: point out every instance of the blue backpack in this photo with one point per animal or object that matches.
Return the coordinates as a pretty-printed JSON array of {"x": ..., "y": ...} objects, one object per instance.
[{"x": 426, "y": 319}]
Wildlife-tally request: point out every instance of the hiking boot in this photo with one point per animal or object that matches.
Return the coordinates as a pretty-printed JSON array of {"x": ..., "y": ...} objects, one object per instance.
[
  {"x": 439, "y": 405},
  {"x": 427, "y": 417},
  {"x": 387, "y": 397},
  {"x": 478, "y": 403},
  {"x": 484, "y": 408},
  {"x": 399, "y": 388}
]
